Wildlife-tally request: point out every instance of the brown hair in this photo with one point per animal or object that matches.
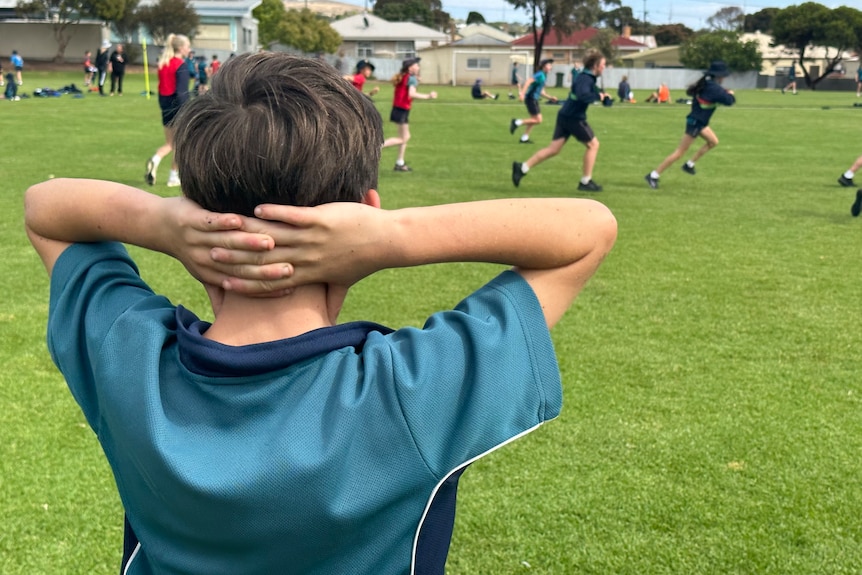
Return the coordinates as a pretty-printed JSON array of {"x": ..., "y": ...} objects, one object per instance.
[
  {"x": 275, "y": 128},
  {"x": 593, "y": 58}
]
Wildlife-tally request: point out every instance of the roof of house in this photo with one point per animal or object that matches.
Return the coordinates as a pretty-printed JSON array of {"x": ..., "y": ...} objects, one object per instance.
[
  {"x": 481, "y": 40},
  {"x": 365, "y": 27},
  {"x": 214, "y": 8},
  {"x": 576, "y": 39},
  {"x": 328, "y": 8},
  {"x": 484, "y": 30},
  {"x": 652, "y": 53}
]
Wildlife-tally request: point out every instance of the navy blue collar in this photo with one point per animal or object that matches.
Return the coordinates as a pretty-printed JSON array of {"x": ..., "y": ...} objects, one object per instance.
[{"x": 212, "y": 359}]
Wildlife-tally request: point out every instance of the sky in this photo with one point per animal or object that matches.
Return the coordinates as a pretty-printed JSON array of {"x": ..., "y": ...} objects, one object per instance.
[{"x": 692, "y": 13}]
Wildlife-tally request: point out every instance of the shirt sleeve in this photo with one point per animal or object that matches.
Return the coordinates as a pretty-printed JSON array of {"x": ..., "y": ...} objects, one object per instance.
[
  {"x": 585, "y": 89},
  {"x": 477, "y": 376},
  {"x": 183, "y": 78},
  {"x": 92, "y": 285}
]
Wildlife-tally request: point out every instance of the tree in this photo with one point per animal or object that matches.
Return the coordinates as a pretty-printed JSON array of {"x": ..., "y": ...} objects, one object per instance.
[
  {"x": 728, "y": 18},
  {"x": 308, "y": 32},
  {"x": 270, "y": 15},
  {"x": 126, "y": 26},
  {"x": 619, "y": 17},
  {"x": 672, "y": 34},
  {"x": 475, "y": 18},
  {"x": 760, "y": 21},
  {"x": 560, "y": 15},
  {"x": 811, "y": 24},
  {"x": 167, "y": 17},
  {"x": 426, "y": 12},
  {"x": 107, "y": 10},
  {"x": 725, "y": 45},
  {"x": 61, "y": 13},
  {"x": 604, "y": 43}
]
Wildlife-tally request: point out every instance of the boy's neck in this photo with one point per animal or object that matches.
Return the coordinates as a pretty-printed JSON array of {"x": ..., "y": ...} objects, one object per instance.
[{"x": 243, "y": 320}]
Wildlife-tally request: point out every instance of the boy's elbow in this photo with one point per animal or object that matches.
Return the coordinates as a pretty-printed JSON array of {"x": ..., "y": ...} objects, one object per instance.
[{"x": 606, "y": 229}]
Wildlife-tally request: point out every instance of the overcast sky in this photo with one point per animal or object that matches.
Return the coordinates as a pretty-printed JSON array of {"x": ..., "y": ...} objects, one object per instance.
[{"x": 692, "y": 13}]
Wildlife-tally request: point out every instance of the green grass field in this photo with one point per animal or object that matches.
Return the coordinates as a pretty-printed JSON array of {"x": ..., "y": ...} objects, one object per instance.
[{"x": 712, "y": 416}]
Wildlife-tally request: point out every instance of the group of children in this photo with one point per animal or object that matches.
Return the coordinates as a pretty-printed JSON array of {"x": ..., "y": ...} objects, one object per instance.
[{"x": 705, "y": 94}]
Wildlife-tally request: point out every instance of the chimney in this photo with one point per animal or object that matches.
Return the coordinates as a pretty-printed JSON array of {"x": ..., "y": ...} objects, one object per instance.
[{"x": 627, "y": 32}]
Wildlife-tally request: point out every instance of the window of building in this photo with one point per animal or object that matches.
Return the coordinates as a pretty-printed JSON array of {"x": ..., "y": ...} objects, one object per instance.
[
  {"x": 364, "y": 50},
  {"x": 559, "y": 56},
  {"x": 404, "y": 50},
  {"x": 478, "y": 63}
]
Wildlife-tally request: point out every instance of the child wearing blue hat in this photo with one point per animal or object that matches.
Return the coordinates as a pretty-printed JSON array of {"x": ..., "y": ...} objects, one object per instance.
[{"x": 705, "y": 95}]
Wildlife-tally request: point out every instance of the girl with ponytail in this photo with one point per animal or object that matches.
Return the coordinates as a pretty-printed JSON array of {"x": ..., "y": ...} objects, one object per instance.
[
  {"x": 705, "y": 95},
  {"x": 173, "y": 93}
]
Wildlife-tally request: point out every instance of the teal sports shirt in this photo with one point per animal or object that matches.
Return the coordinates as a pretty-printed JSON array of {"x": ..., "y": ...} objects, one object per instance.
[{"x": 335, "y": 452}]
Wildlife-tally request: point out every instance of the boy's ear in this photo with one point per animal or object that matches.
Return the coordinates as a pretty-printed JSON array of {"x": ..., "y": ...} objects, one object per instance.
[{"x": 371, "y": 198}]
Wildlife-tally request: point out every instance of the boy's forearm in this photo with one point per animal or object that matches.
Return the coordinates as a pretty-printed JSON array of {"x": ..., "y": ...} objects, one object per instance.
[
  {"x": 537, "y": 233},
  {"x": 76, "y": 210}
]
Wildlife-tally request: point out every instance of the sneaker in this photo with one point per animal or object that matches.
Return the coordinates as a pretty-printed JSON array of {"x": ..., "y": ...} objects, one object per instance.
[
  {"x": 653, "y": 182},
  {"x": 846, "y": 182},
  {"x": 174, "y": 182},
  {"x": 517, "y": 174},
  {"x": 513, "y": 126},
  {"x": 590, "y": 186},
  {"x": 496, "y": 96},
  {"x": 525, "y": 141},
  {"x": 688, "y": 169},
  {"x": 782, "y": 90},
  {"x": 856, "y": 208},
  {"x": 150, "y": 176},
  {"x": 402, "y": 168}
]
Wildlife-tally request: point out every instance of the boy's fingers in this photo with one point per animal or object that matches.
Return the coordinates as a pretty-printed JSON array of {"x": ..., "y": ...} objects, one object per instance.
[
  {"x": 240, "y": 256},
  {"x": 239, "y": 241},
  {"x": 292, "y": 215}
]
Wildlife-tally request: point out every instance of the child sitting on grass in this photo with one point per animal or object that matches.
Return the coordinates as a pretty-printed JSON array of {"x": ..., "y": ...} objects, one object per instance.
[{"x": 275, "y": 440}]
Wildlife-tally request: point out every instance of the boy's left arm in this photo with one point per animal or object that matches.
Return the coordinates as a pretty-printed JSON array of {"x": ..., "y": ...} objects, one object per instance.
[{"x": 60, "y": 212}]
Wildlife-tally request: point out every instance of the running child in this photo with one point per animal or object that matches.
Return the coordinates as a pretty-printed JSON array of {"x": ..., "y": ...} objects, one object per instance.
[
  {"x": 533, "y": 89},
  {"x": 364, "y": 70},
  {"x": 846, "y": 179},
  {"x": 572, "y": 121},
  {"x": 705, "y": 94},
  {"x": 406, "y": 85}
]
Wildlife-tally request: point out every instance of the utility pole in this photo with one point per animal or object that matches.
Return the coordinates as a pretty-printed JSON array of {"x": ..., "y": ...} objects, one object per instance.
[{"x": 645, "y": 13}]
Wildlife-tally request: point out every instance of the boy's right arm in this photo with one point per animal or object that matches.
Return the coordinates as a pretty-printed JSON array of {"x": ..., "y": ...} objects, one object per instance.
[{"x": 555, "y": 244}]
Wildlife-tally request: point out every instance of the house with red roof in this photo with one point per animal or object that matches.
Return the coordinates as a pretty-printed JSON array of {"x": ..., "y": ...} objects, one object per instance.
[{"x": 569, "y": 49}]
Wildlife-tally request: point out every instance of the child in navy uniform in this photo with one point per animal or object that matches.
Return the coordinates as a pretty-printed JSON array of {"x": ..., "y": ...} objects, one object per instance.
[
  {"x": 572, "y": 121},
  {"x": 706, "y": 95},
  {"x": 274, "y": 440}
]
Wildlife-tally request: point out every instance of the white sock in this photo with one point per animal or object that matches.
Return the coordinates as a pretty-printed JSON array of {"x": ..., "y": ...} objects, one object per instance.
[
  {"x": 525, "y": 168},
  {"x": 174, "y": 175},
  {"x": 156, "y": 160},
  {"x": 690, "y": 164},
  {"x": 586, "y": 180},
  {"x": 654, "y": 175},
  {"x": 848, "y": 174},
  {"x": 399, "y": 162},
  {"x": 525, "y": 138},
  {"x": 518, "y": 122}
]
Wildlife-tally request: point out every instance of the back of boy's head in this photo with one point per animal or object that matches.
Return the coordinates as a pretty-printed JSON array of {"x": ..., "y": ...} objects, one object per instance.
[{"x": 275, "y": 128}]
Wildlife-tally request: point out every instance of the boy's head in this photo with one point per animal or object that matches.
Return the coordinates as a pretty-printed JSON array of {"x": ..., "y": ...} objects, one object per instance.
[
  {"x": 275, "y": 128},
  {"x": 593, "y": 61}
]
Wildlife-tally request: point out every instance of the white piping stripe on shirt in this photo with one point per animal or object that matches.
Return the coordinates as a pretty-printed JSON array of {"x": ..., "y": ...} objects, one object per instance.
[{"x": 448, "y": 475}]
